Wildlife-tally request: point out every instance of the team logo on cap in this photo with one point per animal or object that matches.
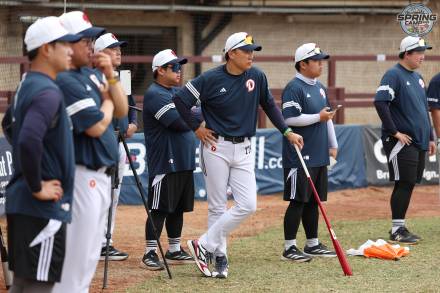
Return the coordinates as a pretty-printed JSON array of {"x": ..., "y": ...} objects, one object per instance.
[
  {"x": 416, "y": 19},
  {"x": 422, "y": 83},
  {"x": 250, "y": 85},
  {"x": 86, "y": 18}
]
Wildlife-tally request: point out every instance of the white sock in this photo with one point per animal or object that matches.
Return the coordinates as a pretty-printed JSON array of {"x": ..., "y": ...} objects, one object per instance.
[
  {"x": 174, "y": 244},
  {"x": 397, "y": 223},
  {"x": 312, "y": 242},
  {"x": 288, "y": 243},
  {"x": 151, "y": 245}
]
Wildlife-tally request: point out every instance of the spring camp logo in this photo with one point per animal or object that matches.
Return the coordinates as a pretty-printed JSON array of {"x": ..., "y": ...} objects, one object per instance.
[{"x": 417, "y": 20}]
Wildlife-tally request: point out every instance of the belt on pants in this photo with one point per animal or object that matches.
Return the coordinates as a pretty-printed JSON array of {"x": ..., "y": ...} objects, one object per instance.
[
  {"x": 233, "y": 139},
  {"x": 109, "y": 171}
]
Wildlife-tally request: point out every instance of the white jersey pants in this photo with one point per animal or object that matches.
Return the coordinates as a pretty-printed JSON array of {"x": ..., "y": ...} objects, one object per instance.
[
  {"x": 224, "y": 165},
  {"x": 91, "y": 201},
  {"x": 116, "y": 193}
]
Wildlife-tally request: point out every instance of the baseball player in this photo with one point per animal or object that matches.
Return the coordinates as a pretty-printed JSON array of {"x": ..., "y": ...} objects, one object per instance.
[
  {"x": 229, "y": 96},
  {"x": 127, "y": 125},
  {"x": 307, "y": 110},
  {"x": 401, "y": 104},
  {"x": 170, "y": 148},
  {"x": 39, "y": 195},
  {"x": 92, "y": 98}
]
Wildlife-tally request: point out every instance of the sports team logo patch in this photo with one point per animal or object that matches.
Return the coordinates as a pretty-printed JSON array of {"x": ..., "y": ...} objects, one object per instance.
[
  {"x": 250, "y": 85},
  {"x": 422, "y": 83},
  {"x": 92, "y": 183},
  {"x": 213, "y": 148},
  {"x": 322, "y": 92}
]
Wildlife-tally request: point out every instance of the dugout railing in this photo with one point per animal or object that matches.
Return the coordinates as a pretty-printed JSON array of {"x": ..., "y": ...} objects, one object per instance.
[{"x": 337, "y": 95}]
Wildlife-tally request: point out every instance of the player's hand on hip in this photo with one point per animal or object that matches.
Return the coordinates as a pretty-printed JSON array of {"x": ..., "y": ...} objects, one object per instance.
[
  {"x": 325, "y": 114},
  {"x": 403, "y": 138},
  {"x": 50, "y": 190},
  {"x": 294, "y": 138},
  {"x": 432, "y": 148},
  {"x": 333, "y": 152},
  {"x": 206, "y": 135}
]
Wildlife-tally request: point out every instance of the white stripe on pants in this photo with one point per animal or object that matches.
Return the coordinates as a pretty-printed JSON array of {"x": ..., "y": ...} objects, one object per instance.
[
  {"x": 121, "y": 170},
  {"x": 233, "y": 165},
  {"x": 91, "y": 200}
]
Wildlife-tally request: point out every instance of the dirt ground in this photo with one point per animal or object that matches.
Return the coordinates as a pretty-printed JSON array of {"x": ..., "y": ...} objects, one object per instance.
[{"x": 353, "y": 204}]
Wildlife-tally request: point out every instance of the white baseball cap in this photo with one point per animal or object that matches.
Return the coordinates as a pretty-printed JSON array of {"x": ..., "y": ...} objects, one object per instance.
[
  {"x": 413, "y": 44},
  {"x": 166, "y": 56},
  {"x": 309, "y": 51},
  {"x": 77, "y": 22},
  {"x": 108, "y": 40},
  {"x": 241, "y": 40},
  {"x": 46, "y": 30}
]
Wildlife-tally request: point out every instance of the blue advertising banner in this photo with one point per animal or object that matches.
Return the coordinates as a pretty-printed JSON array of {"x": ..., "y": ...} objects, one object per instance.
[
  {"x": 361, "y": 161},
  {"x": 349, "y": 172}
]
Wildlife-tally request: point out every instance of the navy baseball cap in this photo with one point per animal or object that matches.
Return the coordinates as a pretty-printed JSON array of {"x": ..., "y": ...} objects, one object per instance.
[
  {"x": 166, "y": 56},
  {"x": 309, "y": 51},
  {"x": 413, "y": 44},
  {"x": 108, "y": 40},
  {"x": 78, "y": 23},
  {"x": 46, "y": 30},
  {"x": 241, "y": 40}
]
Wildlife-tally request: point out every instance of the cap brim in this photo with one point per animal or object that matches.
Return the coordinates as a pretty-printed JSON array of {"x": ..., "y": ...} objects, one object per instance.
[
  {"x": 118, "y": 44},
  {"x": 421, "y": 48},
  {"x": 252, "y": 47},
  {"x": 92, "y": 32},
  {"x": 178, "y": 60},
  {"x": 319, "y": 56},
  {"x": 69, "y": 38}
]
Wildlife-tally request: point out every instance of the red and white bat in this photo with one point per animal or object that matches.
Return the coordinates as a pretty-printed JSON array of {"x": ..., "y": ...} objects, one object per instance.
[{"x": 339, "y": 252}]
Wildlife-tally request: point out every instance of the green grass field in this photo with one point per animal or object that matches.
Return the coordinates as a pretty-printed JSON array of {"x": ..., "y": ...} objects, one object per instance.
[{"x": 255, "y": 265}]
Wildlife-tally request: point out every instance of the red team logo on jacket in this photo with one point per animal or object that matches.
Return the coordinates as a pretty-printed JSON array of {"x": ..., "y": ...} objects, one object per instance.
[
  {"x": 250, "y": 84},
  {"x": 213, "y": 148},
  {"x": 92, "y": 183}
]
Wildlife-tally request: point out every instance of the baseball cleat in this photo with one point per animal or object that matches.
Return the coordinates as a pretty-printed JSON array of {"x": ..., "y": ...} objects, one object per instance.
[
  {"x": 294, "y": 254},
  {"x": 178, "y": 257},
  {"x": 402, "y": 235},
  {"x": 221, "y": 267},
  {"x": 113, "y": 254},
  {"x": 151, "y": 261},
  {"x": 319, "y": 250},
  {"x": 200, "y": 255}
]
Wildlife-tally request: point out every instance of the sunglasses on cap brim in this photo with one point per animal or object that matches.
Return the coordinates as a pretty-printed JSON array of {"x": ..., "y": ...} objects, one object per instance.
[
  {"x": 175, "y": 67},
  {"x": 421, "y": 45},
  {"x": 249, "y": 40}
]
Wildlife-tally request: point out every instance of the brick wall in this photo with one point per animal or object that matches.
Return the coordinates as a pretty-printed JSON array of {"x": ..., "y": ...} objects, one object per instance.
[{"x": 278, "y": 34}]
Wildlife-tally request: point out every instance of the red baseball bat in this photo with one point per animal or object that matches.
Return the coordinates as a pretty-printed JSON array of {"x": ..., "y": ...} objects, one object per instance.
[{"x": 338, "y": 248}]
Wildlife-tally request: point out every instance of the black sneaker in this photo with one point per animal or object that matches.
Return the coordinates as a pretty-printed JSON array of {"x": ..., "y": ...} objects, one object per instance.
[
  {"x": 151, "y": 261},
  {"x": 201, "y": 256},
  {"x": 113, "y": 254},
  {"x": 294, "y": 254},
  {"x": 178, "y": 257},
  {"x": 319, "y": 250},
  {"x": 221, "y": 267},
  {"x": 402, "y": 235}
]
